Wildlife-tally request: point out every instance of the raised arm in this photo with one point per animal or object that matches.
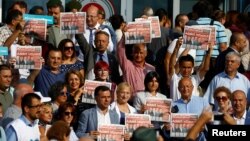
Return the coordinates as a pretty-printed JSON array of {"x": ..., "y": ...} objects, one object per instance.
[
  {"x": 173, "y": 67},
  {"x": 206, "y": 63}
]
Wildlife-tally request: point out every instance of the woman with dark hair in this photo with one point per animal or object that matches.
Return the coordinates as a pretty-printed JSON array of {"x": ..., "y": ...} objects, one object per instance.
[
  {"x": 151, "y": 83},
  {"x": 58, "y": 94},
  {"x": 67, "y": 113},
  {"x": 69, "y": 58},
  {"x": 59, "y": 131}
]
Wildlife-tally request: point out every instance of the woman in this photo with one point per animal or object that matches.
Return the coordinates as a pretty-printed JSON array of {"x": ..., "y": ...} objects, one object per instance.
[
  {"x": 66, "y": 113},
  {"x": 45, "y": 118},
  {"x": 70, "y": 60},
  {"x": 59, "y": 131},
  {"x": 121, "y": 105},
  {"x": 151, "y": 83},
  {"x": 58, "y": 94},
  {"x": 222, "y": 99}
]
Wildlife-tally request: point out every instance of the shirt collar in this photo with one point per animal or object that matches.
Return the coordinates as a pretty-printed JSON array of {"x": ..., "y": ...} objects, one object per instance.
[
  {"x": 100, "y": 111},
  {"x": 27, "y": 122},
  {"x": 243, "y": 117},
  {"x": 225, "y": 75}
]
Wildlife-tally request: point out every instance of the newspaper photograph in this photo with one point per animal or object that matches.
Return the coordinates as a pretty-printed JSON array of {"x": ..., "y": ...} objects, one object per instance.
[
  {"x": 36, "y": 28},
  {"x": 72, "y": 23},
  {"x": 138, "y": 32},
  {"x": 27, "y": 57},
  {"x": 133, "y": 121},
  {"x": 196, "y": 37},
  {"x": 111, "y": 132},
  {"x": 155, "y": 23},
  {"x": 159, "y": 109},
  {"x": 89, "y": 89},
  {"x": 182, "y": 123}
]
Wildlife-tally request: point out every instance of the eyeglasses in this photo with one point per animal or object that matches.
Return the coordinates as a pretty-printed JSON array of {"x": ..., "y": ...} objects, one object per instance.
[
  {"x": 63, "y": 94},
  {"x": 68, "y": 48},
  {"x": 35, "y": 107},
  {"x": 223, "y": 98},
  {"x": 68, "y": 113}
]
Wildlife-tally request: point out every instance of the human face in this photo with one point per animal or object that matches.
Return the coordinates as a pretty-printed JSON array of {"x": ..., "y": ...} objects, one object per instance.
[
  {"x": 46, "y": 114},
  {"x": 241, "y": 42},
  {"x": 101, "y": 42},
  {"x": 55, "y": 12},
  {"x": 68, "y": 115},
  {"x": 183, "y": 21},
  {"x": 68, "y": 50},
  {"x": 5, "y": 79},
  {"x": 62, "y": 97},
  {"x": 103, "y": 99},
  {"x": 222, "y": 100},
  {"x": 153, "y": 85},
  {"x": 102, "y": 74},
  {"x": 186, "y": 88},
  {"x": 33, "y": 110},
  {"x": 55, "y": 59},
  {"x": 123, "y": 95},
  {"x": 186, "y": 68},
  {"x": 239, "y": 102},
  {"x": 17, "y": 7},
  {"x": 74, "y": 82},
  {"x": 139, "y": 54},
  {"x": 17, "y": 20},
  {"x": 231, "y": 64},
  {"x": 92, "y": 16}
]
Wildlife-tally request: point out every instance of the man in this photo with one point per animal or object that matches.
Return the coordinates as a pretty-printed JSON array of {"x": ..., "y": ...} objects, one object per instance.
[
  {"x": 239, "y": 104},
  {"x": 91, "y": 118},
  {"x": 49, "y": 74},
  {"x": 15, "y": 111},
  {"x": 180, "y": 22},
  {"x": 13, "y": 27},
  {"x": 238, "y": 42},
  {"x": 5, "y": 80},
  {"x": 134, "y": 71},
  {"x": 230, "y": 78},
  {"x": 27, "y": 122},
  {"x": 19, "y": 5},
  {"x": 100, "y": 53},
  {"x": 93, "y": 26},
  {"x": 184, "y": 68}
]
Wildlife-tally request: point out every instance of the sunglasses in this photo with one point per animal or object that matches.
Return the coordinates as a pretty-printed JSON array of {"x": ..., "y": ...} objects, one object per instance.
[
  {"x": 63, "y": 94},
  {"x": 223, "y": 98},
  {"x": 68, "y": 48},
  {"x": 68, "y": 113}
]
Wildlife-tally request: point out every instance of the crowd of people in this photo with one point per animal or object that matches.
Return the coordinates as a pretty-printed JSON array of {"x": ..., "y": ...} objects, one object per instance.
[{"x": 46, "y": 104}]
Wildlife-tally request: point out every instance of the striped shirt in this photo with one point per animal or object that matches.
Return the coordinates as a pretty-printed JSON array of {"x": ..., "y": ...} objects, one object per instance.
[{"x": 221, "y": 37}]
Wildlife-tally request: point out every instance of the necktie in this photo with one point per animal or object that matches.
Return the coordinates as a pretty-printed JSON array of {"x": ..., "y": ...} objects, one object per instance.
[
  {"x": 91, "y": 37},
  {"x": 100, "y": 57}
]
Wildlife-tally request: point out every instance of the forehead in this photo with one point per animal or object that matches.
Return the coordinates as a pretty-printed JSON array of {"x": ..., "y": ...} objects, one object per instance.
[
  {"x": 92, "y": 11},
  {"x": 55, "y": 53},
  {"x": 55, "y": 9},
  {"x": 5, "y": 71},
  {"x": 104, "y": 93},
  {"x": 239, "y": 95},
  {"x": 139, "y": 48},
  {"x": 185, "y": 82},
  {"x": 102, "y": 36},
  {"x": 186, "y": 64}
]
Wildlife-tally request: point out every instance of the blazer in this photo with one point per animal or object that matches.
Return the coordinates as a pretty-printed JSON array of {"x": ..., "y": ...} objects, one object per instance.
[
  {"x": 90, "y": 54},
  {"x": 247, "y": 120},
  {"x": 88, "y": 121}
]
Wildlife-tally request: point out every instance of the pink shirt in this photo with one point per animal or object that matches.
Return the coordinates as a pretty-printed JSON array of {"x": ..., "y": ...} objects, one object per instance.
[{"x": 132, "y": 72}]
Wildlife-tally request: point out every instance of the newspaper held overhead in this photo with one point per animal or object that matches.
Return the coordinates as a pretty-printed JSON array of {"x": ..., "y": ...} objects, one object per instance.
[
  {"x": 111, "y": 132},
  {"x": 72, "y": 23},
  {"x": 138, "y": 32},
  {"x": 196, "y": 37},
  {"x": 159, "y": 109},
  {"x": 89, "y": 89},
  {"x": 27, "y": 57},
  {"x": 133, "y": 121},
  {"x": 182, "y": 123},
  {"x": 155, "y": 23},
  {"x": 36, "y": 28}
]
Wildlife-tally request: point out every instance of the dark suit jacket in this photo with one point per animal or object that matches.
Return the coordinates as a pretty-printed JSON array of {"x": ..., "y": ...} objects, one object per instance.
[
  {"x": 220, "y": 62},
  {"x": 89, "y": 59},
  {"x": 247, "y": 120},
  {"x": 88, "y": 121}
]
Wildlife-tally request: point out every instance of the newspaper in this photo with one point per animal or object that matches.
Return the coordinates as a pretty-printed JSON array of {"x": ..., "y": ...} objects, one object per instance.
[
  {"x": 36, "y": 28},
  {"x": 182, "y": 123},
  {"x": 138, "y": 32},
  {"x": 159, "y": 109},
  {"x": 155, "y": 23},
  {"x": 212, "y": 38},
  {"x": 72, "y": 23},
  {"x": 133, "y": 121},
  {"x": 196, "y": 37},
  {"x": 111, "y": 132},
  {"x": 27, "y": 57},
  {"x": 89, "y": 89}
]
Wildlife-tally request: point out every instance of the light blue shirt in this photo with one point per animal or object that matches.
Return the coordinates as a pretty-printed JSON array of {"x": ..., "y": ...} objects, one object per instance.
[
  {"x": 104, "y": 57},
  {"x": 194, "y": 106},
  {"x": 11, "y": 133},
  {"x": 239, "y": 82}
]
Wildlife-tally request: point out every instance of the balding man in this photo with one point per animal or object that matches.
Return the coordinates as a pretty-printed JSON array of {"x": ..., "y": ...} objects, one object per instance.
[
  {"x": 15, "y": 111},
  {"x": 93, "y": 26}
]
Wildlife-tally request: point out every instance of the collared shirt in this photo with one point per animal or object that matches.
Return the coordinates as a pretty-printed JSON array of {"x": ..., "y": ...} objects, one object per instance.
[
  {"x": 104, "y": 57},
  {"x": 132, "y": 72},
  {"x": 241, "y": 121},
  {"x": 101, "y": 118},
  {"x": 195, "y": 105},
  {"x": 5, "y": 34},
  {"x": 239, "y": 82},
  {"x": 6, "y": 99}
]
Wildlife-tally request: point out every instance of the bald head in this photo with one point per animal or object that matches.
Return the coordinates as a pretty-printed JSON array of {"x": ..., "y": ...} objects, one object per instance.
[
  {"x": 185, "y": 86},
  {"x": 239, "y": 102},
  {"x": 92, "y": 16},
  {"x": 21, "y": 90},
  {"x": 238, "y": 41}
]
